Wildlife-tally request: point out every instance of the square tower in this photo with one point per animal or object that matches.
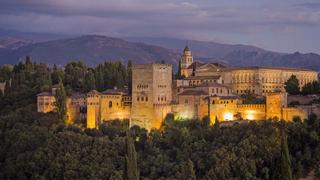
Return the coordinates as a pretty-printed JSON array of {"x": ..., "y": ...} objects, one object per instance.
[
  {"x": 275, "y": 102},
  {"x": 151, "y": 94}
]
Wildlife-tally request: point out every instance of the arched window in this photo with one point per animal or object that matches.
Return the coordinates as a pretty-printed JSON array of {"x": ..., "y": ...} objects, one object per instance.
[{"x": 110, "y": 104}]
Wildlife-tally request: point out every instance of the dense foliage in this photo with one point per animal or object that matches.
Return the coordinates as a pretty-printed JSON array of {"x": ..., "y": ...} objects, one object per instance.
[
  {"x": 311, "y": 88},
  {"x": 40, "y": 146},
  {"x": 253, "y": 99},
  {"x": 292, "y": 85},
  {"x": 76, "y": 76}
]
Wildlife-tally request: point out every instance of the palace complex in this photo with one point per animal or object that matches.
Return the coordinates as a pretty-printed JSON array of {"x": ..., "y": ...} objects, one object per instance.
[{"x": 205, "y": 89}]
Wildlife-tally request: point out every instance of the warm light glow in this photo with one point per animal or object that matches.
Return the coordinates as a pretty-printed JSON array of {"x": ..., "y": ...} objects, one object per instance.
[
  {"x": 228, "y": 116},
  {"x": 250, "y": 115},
  {"x": 183, "y": 115}
]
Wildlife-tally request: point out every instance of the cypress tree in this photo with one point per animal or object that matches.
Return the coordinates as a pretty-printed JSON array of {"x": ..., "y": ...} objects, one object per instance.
[
  {"x": 132, "y": 172},
  {"x": 90, "y": 82},
  {"x": 188, "y": 172},
  {"x": 292, "y": 85},
  {"x": 129, "y": 76},
  {"x": 61, "y": 102},
  {"x": 216, "y": 123},
  {"x": 285, "y": 163}
]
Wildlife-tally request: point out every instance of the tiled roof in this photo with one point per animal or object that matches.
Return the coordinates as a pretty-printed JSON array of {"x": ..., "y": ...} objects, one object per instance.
[
  {"x": 212, "y": 84},
  {"x": 94, "y": 92},
  {"x": 195, "y": 65},
  {"x": 267, "y": 67},
  {"x": 193, "y": 92},
  {"x": 116, "y": 91},
  {"x": 45, "y": 94},
  {"x": 227, "y": 97},
  {"x": 202, "y": 77},
  {"x": 78, "y": 95}
]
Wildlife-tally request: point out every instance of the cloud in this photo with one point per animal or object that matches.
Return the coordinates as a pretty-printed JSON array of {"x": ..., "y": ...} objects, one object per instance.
[{"x": 202, "y": 20}]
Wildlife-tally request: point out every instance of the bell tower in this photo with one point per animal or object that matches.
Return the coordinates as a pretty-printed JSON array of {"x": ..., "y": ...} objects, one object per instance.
[{"x": 185, "y": 61}]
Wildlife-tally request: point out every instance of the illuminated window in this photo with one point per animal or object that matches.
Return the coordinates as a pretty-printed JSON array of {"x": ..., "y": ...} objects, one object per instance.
[{"x": 110, "y": 104}]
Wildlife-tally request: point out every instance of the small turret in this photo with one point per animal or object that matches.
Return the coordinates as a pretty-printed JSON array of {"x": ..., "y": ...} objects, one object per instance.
[{"x": 185, "y": 61}]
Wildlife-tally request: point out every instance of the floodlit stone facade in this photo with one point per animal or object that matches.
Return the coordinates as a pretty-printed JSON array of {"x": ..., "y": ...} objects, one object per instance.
[
  {"x": 211, "y": 90},
  {"x": 255, "y": 80},
  {"x": 151, "y": 94}
]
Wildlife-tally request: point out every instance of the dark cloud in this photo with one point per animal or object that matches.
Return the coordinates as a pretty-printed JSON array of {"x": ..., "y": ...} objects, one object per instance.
[{"x": 185, "y": 19}]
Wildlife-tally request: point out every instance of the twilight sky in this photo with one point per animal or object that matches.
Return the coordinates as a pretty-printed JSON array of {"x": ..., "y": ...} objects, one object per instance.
[{"x": 279, "y": 25}]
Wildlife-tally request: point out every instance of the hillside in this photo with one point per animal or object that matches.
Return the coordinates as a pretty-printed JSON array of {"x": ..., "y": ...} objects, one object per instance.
[
  {"x": 94, "y": 49},
  {"x": 91, "y": 49},
  {"x": 235, "y": 55}
]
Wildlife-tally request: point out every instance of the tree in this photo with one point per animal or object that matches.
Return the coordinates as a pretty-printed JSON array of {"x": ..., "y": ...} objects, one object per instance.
[
  {"x": 311, "y": 88},
  {"x": 216, "y": 123},
  {"x": 188, "y": 171},
  {"x": 56, "y": 74},
  {"x": 292, "y": 85},
  {"x": 206, "y": 121},
  {"x": 61, "y": 102},
  {"x": 285, "y": 163},
  {"x": 132, "y": 172},
  {"x": 129, "y": 76},
  {"x": 90, "y": 82}
]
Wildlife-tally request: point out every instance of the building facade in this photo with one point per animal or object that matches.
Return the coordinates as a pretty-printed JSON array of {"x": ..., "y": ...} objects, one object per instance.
[
  {"x": 206, "y": 90},
  {"x": 243, "y": 80},
  {"x": 151, "y": 94}
]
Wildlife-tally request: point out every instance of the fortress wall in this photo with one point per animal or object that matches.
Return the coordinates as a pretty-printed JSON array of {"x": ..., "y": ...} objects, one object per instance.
[
  {"x": 252, "y": 111},
  {"x": 290, "y": 112},
  {"x": 112, "y": 108},
  {"x": 160, "y": 113},
  {"x": 223, "y": 112},
  {"x": 184, "y": 111},
  {"x": 93, "y": 110}
]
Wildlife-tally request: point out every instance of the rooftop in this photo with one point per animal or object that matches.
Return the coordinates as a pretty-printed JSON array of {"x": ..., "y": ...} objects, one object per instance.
[
  {"x": 116, "y": 91},
  {"x": 94, "y": 92},
  {"x": 186, "y": 48},
  {"x": 193, "y": 92},
  {"x": 45, "y": 94},
  {"x": 268, "y": 67},
  {"x": 212, "y": 84},
  {"x": 226, "y": 97},
  {"x": 202, "y": 77}
]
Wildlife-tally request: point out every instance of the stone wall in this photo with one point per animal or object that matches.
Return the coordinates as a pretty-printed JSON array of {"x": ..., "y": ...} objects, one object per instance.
[{"x": 151, "y": 88}]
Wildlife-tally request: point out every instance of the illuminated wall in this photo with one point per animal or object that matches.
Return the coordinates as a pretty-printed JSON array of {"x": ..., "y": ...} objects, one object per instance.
[
  {"x": 93, "y": 109},
  {"x": 45, "y": 103},
  {"x": 112, "y": 107},
  {"x": 263, "y": 80},
  {"x": 274, "y": 103},
  {"x": 252, "y": 111},
  {"x": 151, "y": 89},
  {"x": 223, "y": 109},
  {"x": 289, "y": 113}
]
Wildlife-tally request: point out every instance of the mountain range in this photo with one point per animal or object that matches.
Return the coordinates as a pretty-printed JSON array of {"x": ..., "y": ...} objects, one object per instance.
[{"x": 94, "y": 49}]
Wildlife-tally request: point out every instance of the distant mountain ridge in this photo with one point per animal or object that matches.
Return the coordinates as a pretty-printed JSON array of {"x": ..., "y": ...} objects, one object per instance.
[
  {"x": 91, "y": 49},
  {"x": 94, "y": 49},
  {"x": 236, "y": 55}
]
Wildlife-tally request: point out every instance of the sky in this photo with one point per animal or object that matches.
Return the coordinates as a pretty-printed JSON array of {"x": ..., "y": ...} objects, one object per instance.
[{"x": 278, "y": 25}]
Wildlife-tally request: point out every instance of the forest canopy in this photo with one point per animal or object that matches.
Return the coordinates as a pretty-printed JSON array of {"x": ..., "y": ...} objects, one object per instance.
[{"x": 40, "y": 146}]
